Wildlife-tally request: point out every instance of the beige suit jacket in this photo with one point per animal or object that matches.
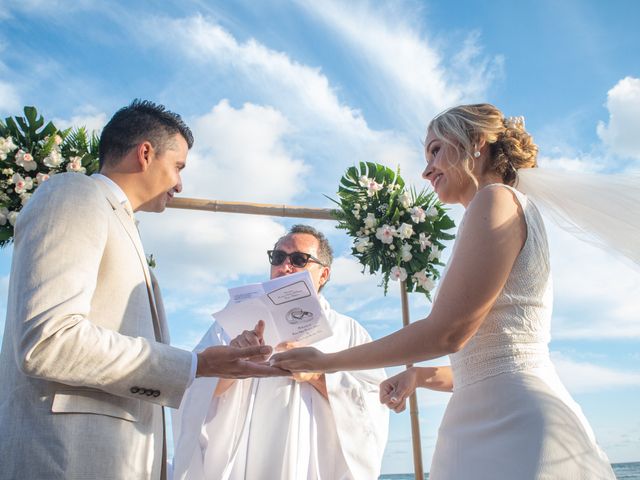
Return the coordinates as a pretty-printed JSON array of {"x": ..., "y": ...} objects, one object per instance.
[{"x": 83, "y": 370}]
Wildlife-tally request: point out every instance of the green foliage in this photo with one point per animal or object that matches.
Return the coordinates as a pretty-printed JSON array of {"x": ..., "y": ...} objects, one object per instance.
[
  {"x": 30, "y": 152},
  {"x": 373, "y": 201}
]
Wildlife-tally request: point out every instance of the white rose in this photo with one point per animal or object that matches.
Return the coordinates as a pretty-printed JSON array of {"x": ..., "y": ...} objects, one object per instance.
[
  {"x": 4, "y": 213},
  {"x": 12, "y": 217},
  {"x": 370, "y": 221},
  {"x": 405, "y": 252},
  {"x": 405, "y": 231},
  {"x": 435, "y": 254},
  {"x": 405, "y": 199},
  {"x": 362, "y": 243}
]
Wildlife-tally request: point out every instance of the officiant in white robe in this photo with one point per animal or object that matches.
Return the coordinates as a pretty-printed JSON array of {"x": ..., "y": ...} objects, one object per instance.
[{"x": 329, "y": 426}]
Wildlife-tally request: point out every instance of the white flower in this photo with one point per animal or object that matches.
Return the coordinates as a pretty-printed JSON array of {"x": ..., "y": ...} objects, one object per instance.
[
  {"x": 24, "y": 198},
  {"x": 435, "y": 254},
  {"x": 432, "y": 212},
  {"x": 58, "y": 139},
  {"x": 41, "y": 178},
  {"x": 424, "y": 241},
  {"x": 373, "y": 187},
  {"x": 54, "y": 159},
  {"x": 426, "y": 282},
  {"x": 385, "y": 233},
  {"x": 405, "y": 231},
  {"x": 12, "y": 217},
  {"x": 4, "y": 213},
  {"x": 22, "y": 184},
  {"x": 418, "y": 215},
  {"x": 405, "y": 252},
  {"x": 26, "y": 161},
  {"x": 363, "y": 181},
  {"x": 362, "y": 243},
  {"x": 356, "y": 213},
  {"x": 6, "y": 146},
  {"x": 8, "y": 172},
  {"x": 398, "y": 273},
  {"x": 405, "y": 199},
  {"x": 75, "y": 165},
  {"x": 370, "y": 221}
]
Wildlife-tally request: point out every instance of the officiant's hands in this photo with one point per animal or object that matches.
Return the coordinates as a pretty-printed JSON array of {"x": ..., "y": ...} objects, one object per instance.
[{"x": 252, "y": 338}]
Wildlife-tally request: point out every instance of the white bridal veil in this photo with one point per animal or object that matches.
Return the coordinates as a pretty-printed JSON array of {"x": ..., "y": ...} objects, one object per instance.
[{"x": 598, "y": 208}]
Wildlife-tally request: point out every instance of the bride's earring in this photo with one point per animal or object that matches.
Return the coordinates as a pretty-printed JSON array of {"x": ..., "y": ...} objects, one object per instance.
[{"x": 476, "y": 154}]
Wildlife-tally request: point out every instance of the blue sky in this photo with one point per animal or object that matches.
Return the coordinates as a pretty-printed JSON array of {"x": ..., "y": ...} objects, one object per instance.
[{"x": 283, "y": 96}]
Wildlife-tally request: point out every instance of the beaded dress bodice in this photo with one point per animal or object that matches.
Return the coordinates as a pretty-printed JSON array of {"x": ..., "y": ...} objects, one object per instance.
[{"x": 515, "y": 334}]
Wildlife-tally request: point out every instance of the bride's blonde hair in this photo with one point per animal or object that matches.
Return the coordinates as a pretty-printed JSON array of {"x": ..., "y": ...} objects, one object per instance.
[{"x": 511, "y": 147}]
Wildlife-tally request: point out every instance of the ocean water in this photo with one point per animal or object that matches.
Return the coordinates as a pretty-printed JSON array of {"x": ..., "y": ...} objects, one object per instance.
[{"x": 623, "y": 471}]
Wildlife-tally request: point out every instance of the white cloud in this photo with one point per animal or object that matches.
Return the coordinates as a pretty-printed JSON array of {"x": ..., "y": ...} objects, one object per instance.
[
  {"x": 335, "y": 134},
  {"x": 85, "y": 116},
  {"x": 239, "y": 155},
  {"x": 9, "y": 99},
  {"x": 581, "y": 377},
  {"x": 620, "y": 135},
  {"x": 243, "y": 152},
  {"x": 404, "y": 63}
]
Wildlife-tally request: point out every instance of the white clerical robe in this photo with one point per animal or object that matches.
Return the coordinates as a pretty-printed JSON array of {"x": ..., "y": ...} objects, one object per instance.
[{"x": 278, "y": 428}]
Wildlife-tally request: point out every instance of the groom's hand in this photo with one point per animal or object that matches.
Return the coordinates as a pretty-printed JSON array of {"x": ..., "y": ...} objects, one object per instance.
[{"x": 234, "y": 362}]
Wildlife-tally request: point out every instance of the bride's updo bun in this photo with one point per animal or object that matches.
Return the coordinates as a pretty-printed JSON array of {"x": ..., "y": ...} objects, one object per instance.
[{"x": 511, "y": 147}]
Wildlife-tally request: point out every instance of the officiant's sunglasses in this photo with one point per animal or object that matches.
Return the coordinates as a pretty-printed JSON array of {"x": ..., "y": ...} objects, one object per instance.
[{"x": 297, "y": 259}]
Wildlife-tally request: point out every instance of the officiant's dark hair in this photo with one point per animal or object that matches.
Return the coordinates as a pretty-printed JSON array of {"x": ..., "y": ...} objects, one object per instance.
[
  {"x": 140, "y": 121},
  {"x": 325, "y": 252}
]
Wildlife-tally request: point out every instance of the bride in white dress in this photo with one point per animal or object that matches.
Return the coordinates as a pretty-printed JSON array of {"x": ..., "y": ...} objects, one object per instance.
[{"x": 509, "y": 416}]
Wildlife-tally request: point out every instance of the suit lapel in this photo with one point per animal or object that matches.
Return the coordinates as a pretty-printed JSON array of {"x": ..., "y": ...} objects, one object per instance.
[{"x": 130, "y": 227}]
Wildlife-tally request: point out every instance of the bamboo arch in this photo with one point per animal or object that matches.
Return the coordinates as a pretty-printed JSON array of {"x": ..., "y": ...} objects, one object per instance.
[{"x": 318, "y": 214}]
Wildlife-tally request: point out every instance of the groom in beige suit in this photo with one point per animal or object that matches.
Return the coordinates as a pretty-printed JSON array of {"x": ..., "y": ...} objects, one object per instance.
[{"x": 85, "y": 366}]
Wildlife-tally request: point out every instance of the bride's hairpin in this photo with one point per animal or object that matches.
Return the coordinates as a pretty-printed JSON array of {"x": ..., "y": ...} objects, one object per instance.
[{"x": 514, "y": 122}]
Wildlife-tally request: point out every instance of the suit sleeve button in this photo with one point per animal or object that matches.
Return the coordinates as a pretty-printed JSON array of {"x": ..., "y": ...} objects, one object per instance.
[
  {"x": 156, "y": 393},
  {"x": 134, "y": 389}
]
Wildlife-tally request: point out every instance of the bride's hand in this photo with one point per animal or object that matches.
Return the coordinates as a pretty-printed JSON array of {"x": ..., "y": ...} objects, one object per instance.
[
  {"x": 305, "y": 359},
  {"x": 394, "y": 391}
]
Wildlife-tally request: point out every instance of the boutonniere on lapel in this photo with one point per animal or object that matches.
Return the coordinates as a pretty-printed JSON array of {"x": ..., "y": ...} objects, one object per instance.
[{"x": 151, "y": 261}]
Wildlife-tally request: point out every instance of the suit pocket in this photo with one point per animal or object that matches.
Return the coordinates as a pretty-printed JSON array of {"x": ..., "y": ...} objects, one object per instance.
[{"x": 95, "y": 402}]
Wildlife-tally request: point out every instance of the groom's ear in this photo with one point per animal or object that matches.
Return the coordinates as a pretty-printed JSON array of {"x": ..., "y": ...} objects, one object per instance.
[{"x": 144, "y": 155}]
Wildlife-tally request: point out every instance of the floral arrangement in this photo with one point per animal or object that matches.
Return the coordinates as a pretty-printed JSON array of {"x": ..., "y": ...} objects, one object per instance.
[
  {"x": 30, "y": 152},
  {"x": 395, "y": 231}
]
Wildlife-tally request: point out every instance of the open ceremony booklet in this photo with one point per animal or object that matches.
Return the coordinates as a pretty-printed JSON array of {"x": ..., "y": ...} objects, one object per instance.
[{"x": 288, "y": 305}]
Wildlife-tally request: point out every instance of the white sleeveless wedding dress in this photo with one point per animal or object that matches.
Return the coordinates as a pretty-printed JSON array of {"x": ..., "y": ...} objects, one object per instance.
[{"x": 509, "y": 416}]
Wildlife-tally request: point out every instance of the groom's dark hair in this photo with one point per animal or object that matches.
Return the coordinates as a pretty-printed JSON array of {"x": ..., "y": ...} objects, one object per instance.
[{"x": 140, "y": 121}]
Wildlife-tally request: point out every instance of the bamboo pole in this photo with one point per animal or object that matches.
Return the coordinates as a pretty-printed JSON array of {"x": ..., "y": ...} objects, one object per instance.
[
  {"x": 252, "y": 208},
  {"x": 413, "y": 399},
  {"x": 320, "y": 214}
]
